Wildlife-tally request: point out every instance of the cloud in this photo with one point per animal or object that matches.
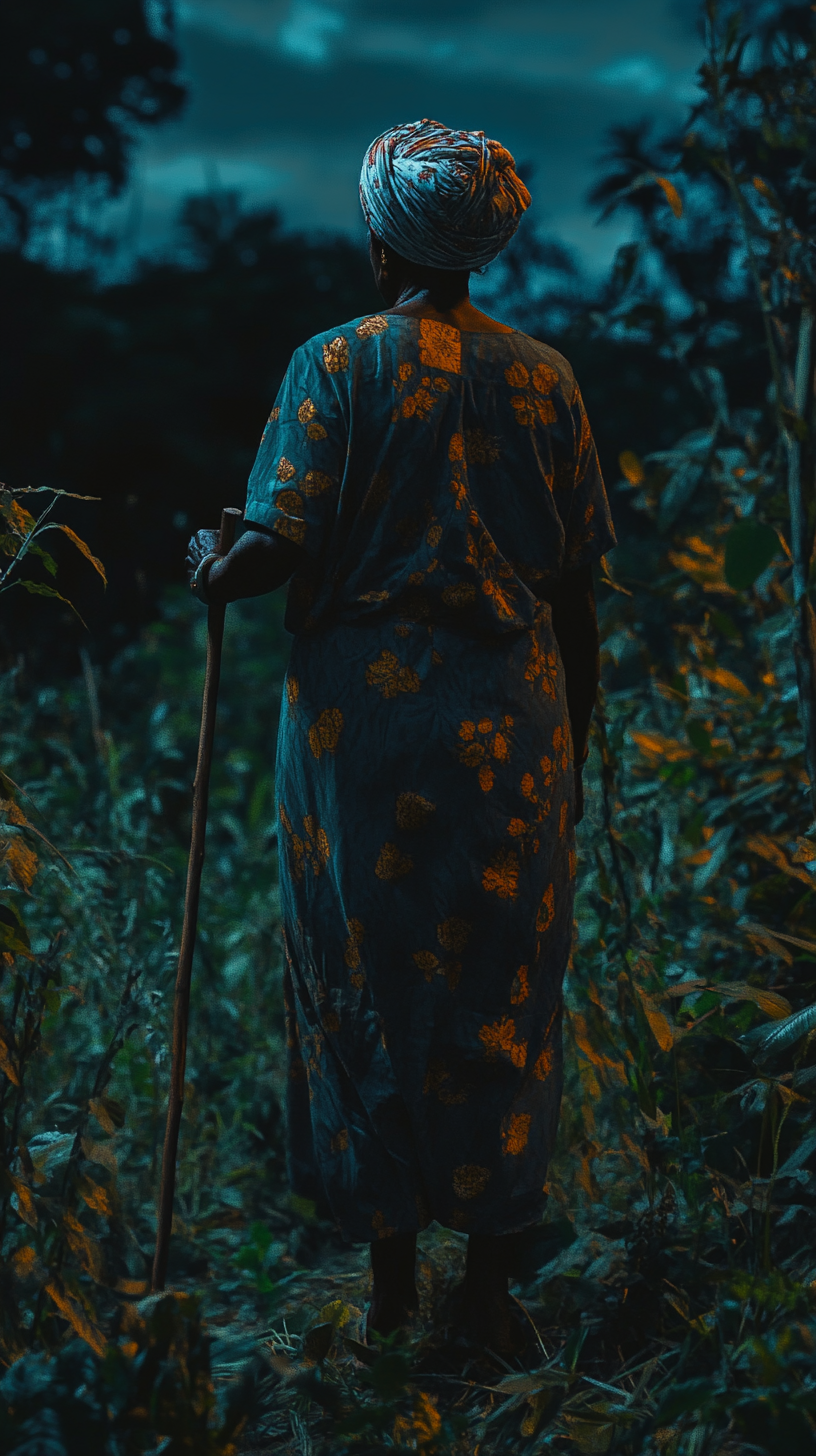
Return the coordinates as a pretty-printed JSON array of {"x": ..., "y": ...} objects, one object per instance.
[
  {"x": 641, "y": 73},
  {"x": 532, "y": 39},
  {"x": 286, "y": 94},
  {"x": 309, "y": 31}
]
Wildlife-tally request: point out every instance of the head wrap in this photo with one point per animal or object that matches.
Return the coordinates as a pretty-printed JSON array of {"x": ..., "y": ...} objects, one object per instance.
[{"x": 441, "y": 198}]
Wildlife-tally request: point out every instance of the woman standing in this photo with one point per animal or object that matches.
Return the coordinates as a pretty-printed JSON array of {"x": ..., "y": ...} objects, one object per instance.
[{"x": 429, "y": 482}]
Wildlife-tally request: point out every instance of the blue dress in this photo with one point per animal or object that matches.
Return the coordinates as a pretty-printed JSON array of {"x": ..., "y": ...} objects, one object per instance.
[{"x": 436, "y": 480}]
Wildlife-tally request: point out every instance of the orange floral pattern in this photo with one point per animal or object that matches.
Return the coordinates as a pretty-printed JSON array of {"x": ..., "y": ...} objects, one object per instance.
[
  {"x": 515, "y": 1132},
  {"x": 501, "y": 876},
  {"x": 368, "y": 327},
  {"x": 440, "y": 346},
  {"x": 480, "y": 743},
  {"x": 336, "y": 355},
  {"x": 392, "y": 864},
  {"x": 389, "y": 675},
  {"x": 324, "y": 735},
  {"x": 453, "y": 935},
  {"x": 470, "y": 1180},
  {"x": 414, "y": 811},
  {"x": 437, "y": 483},
  {"x": 312, "y": 848},
  {"x": 356, "y": 934},
  {"x": 542, "y": 668},
  {"x": 500, "y": 1040}
]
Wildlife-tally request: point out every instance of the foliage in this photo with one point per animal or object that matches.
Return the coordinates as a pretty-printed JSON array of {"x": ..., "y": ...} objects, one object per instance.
[
  {"x": 152, "y": 394},
  {"x": 77, "y": 82},
  {"x": 21, "y": 539},
  {"x": 672, "y": 1288}
]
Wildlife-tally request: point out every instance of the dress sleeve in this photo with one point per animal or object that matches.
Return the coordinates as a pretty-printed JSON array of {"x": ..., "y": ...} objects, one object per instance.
[
  {"x": 589, "y": 532},
  {"x": 295, "y": 482}
]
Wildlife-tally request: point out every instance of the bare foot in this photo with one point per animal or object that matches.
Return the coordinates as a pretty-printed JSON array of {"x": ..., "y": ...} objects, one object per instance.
[
  {"x": 394, "y": 1299},
  {"x": 390, "y": 1310},
  {"x": 492, "y": 1319}
]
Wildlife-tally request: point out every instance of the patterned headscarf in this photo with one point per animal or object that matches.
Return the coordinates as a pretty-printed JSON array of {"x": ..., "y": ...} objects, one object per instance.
[{"x": 441, "y": 198}]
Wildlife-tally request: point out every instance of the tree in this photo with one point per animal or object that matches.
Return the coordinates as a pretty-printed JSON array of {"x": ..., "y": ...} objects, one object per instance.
[
  {"x": 78, "y": 79},
  {"x": 723, "y": 276}
]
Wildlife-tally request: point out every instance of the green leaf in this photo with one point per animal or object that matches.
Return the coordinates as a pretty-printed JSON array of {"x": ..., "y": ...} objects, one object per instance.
[
  {"x": 47, "y": 560},
  {"x": 699, "y": 736},
  {"x": 389, "y": 1375},
  {"x": 39, "y": 589},
  {"x": 51, "y": 997},
  {"x": 750, "y": 547},
  {"x": 13, "y": 934},
  {"x": 317, "y": 1343},
  {"x": 785, "y": 1033}
]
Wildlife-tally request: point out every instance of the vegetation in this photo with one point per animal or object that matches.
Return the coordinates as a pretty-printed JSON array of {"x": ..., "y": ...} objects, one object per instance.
[{"x": 672, "y": 1287}]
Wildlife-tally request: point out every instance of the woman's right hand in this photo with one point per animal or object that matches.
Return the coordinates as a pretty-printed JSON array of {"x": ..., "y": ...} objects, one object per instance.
[{"x": 202, "y": 544}]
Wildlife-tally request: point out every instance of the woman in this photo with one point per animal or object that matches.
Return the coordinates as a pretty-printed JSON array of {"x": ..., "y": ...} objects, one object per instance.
[{"x": 428, "y": 481}]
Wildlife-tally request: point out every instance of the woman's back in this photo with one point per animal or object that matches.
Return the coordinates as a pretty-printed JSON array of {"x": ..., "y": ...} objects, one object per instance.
[
  {"x": 438, "y": 474},
  {"x": 430, "y": 473}
]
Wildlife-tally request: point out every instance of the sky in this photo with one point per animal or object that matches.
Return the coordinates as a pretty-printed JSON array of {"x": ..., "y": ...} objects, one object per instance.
[{"x": 285, "y": 95}]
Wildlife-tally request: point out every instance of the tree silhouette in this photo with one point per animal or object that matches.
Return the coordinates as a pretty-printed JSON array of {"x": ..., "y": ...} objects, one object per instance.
[{"x": 78, "y": 78}]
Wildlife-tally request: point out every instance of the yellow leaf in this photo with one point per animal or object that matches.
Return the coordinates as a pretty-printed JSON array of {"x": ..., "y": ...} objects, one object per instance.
[
  {"x": 25, "y": 1201},
  {"x": 20, "y": 860},
  {"x": 26, "y": 1264},
  {"x": 86, "y": 550},
  {"x": 768, "y": 849},
  {"x": 109, "y": 1113},
  {"x": 703, "y": 563},
  {"x": 582, "y": 1039},
  {"x": 591, "y": 1438},
  {"x": 751, "y": 929},
  {"x": 767, "y": 192},
  {"x": 134, "y": 1288},
  {"x": 18, "y": 517},
  {"x": 725, "y": 679},
  {"x": 421, "y": 1428},
  {"x": 336, "y": 1313},
  {"x": 13, "y": 814},
  {"x": 632, "y": 467},
  {"x": 656, "y": 747},
  {"x": 672, "y": 195},
  {"x": 7, "y": 1061},
  {"x": 76, "y": 1316},
  {"x": 765, "y": 943},
  {"x": 97, "y": 1198},
  {"x": 770, "y": 1002},
  {"x": 659, "y": 1023},
  {"x": 84, "y": 1245},
  {"x": 661, "y": 1124},
  {"x": 100, "y": 1153}
]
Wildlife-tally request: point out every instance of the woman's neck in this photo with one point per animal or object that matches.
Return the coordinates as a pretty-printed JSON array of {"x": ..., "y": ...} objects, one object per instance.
[{"x": 414, "y": 301}]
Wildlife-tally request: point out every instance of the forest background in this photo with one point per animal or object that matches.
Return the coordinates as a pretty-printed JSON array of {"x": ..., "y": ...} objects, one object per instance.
[{"x": 673, "y": 1285}]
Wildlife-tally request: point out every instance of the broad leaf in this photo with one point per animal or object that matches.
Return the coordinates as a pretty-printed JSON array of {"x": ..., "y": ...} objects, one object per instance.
[
  {"x": 750, "y": 548},
  {"x": 80, "y": 545}
]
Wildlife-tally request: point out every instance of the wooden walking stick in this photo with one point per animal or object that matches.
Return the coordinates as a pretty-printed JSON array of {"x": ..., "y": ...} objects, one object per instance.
[{"x": 181, "y": 1004}]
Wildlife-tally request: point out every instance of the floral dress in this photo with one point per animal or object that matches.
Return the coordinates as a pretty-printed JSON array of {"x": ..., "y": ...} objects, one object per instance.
[{"x": 437, "y": 482}]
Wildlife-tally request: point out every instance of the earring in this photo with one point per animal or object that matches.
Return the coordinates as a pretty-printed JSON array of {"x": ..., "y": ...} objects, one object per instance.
[{"x": 383, "y": 259}]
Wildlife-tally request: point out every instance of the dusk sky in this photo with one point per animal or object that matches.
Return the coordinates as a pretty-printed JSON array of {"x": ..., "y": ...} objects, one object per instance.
[{"x": 286, "y": 94}]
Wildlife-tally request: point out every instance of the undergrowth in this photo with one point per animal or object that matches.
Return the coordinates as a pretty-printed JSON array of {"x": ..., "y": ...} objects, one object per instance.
[{"x": 672, "y": 1290}]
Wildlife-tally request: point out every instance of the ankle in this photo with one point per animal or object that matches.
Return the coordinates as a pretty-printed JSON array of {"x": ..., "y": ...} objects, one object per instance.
[
  {"x": 487, "y": 1270},
  {"x": 393, "y": 1266}
]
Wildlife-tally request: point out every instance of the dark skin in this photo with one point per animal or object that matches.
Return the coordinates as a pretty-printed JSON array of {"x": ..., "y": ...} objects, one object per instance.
[{"x": 260, "y": 562}]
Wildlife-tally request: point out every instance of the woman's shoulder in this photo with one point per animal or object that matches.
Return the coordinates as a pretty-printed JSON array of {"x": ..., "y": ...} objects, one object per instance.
[
  {"x": 531, "y": 354},
  {"x": 334, "y": 345}
]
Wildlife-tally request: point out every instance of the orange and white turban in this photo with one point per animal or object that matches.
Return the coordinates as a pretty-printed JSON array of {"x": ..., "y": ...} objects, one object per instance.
[{"x": 441, "y": 198}]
